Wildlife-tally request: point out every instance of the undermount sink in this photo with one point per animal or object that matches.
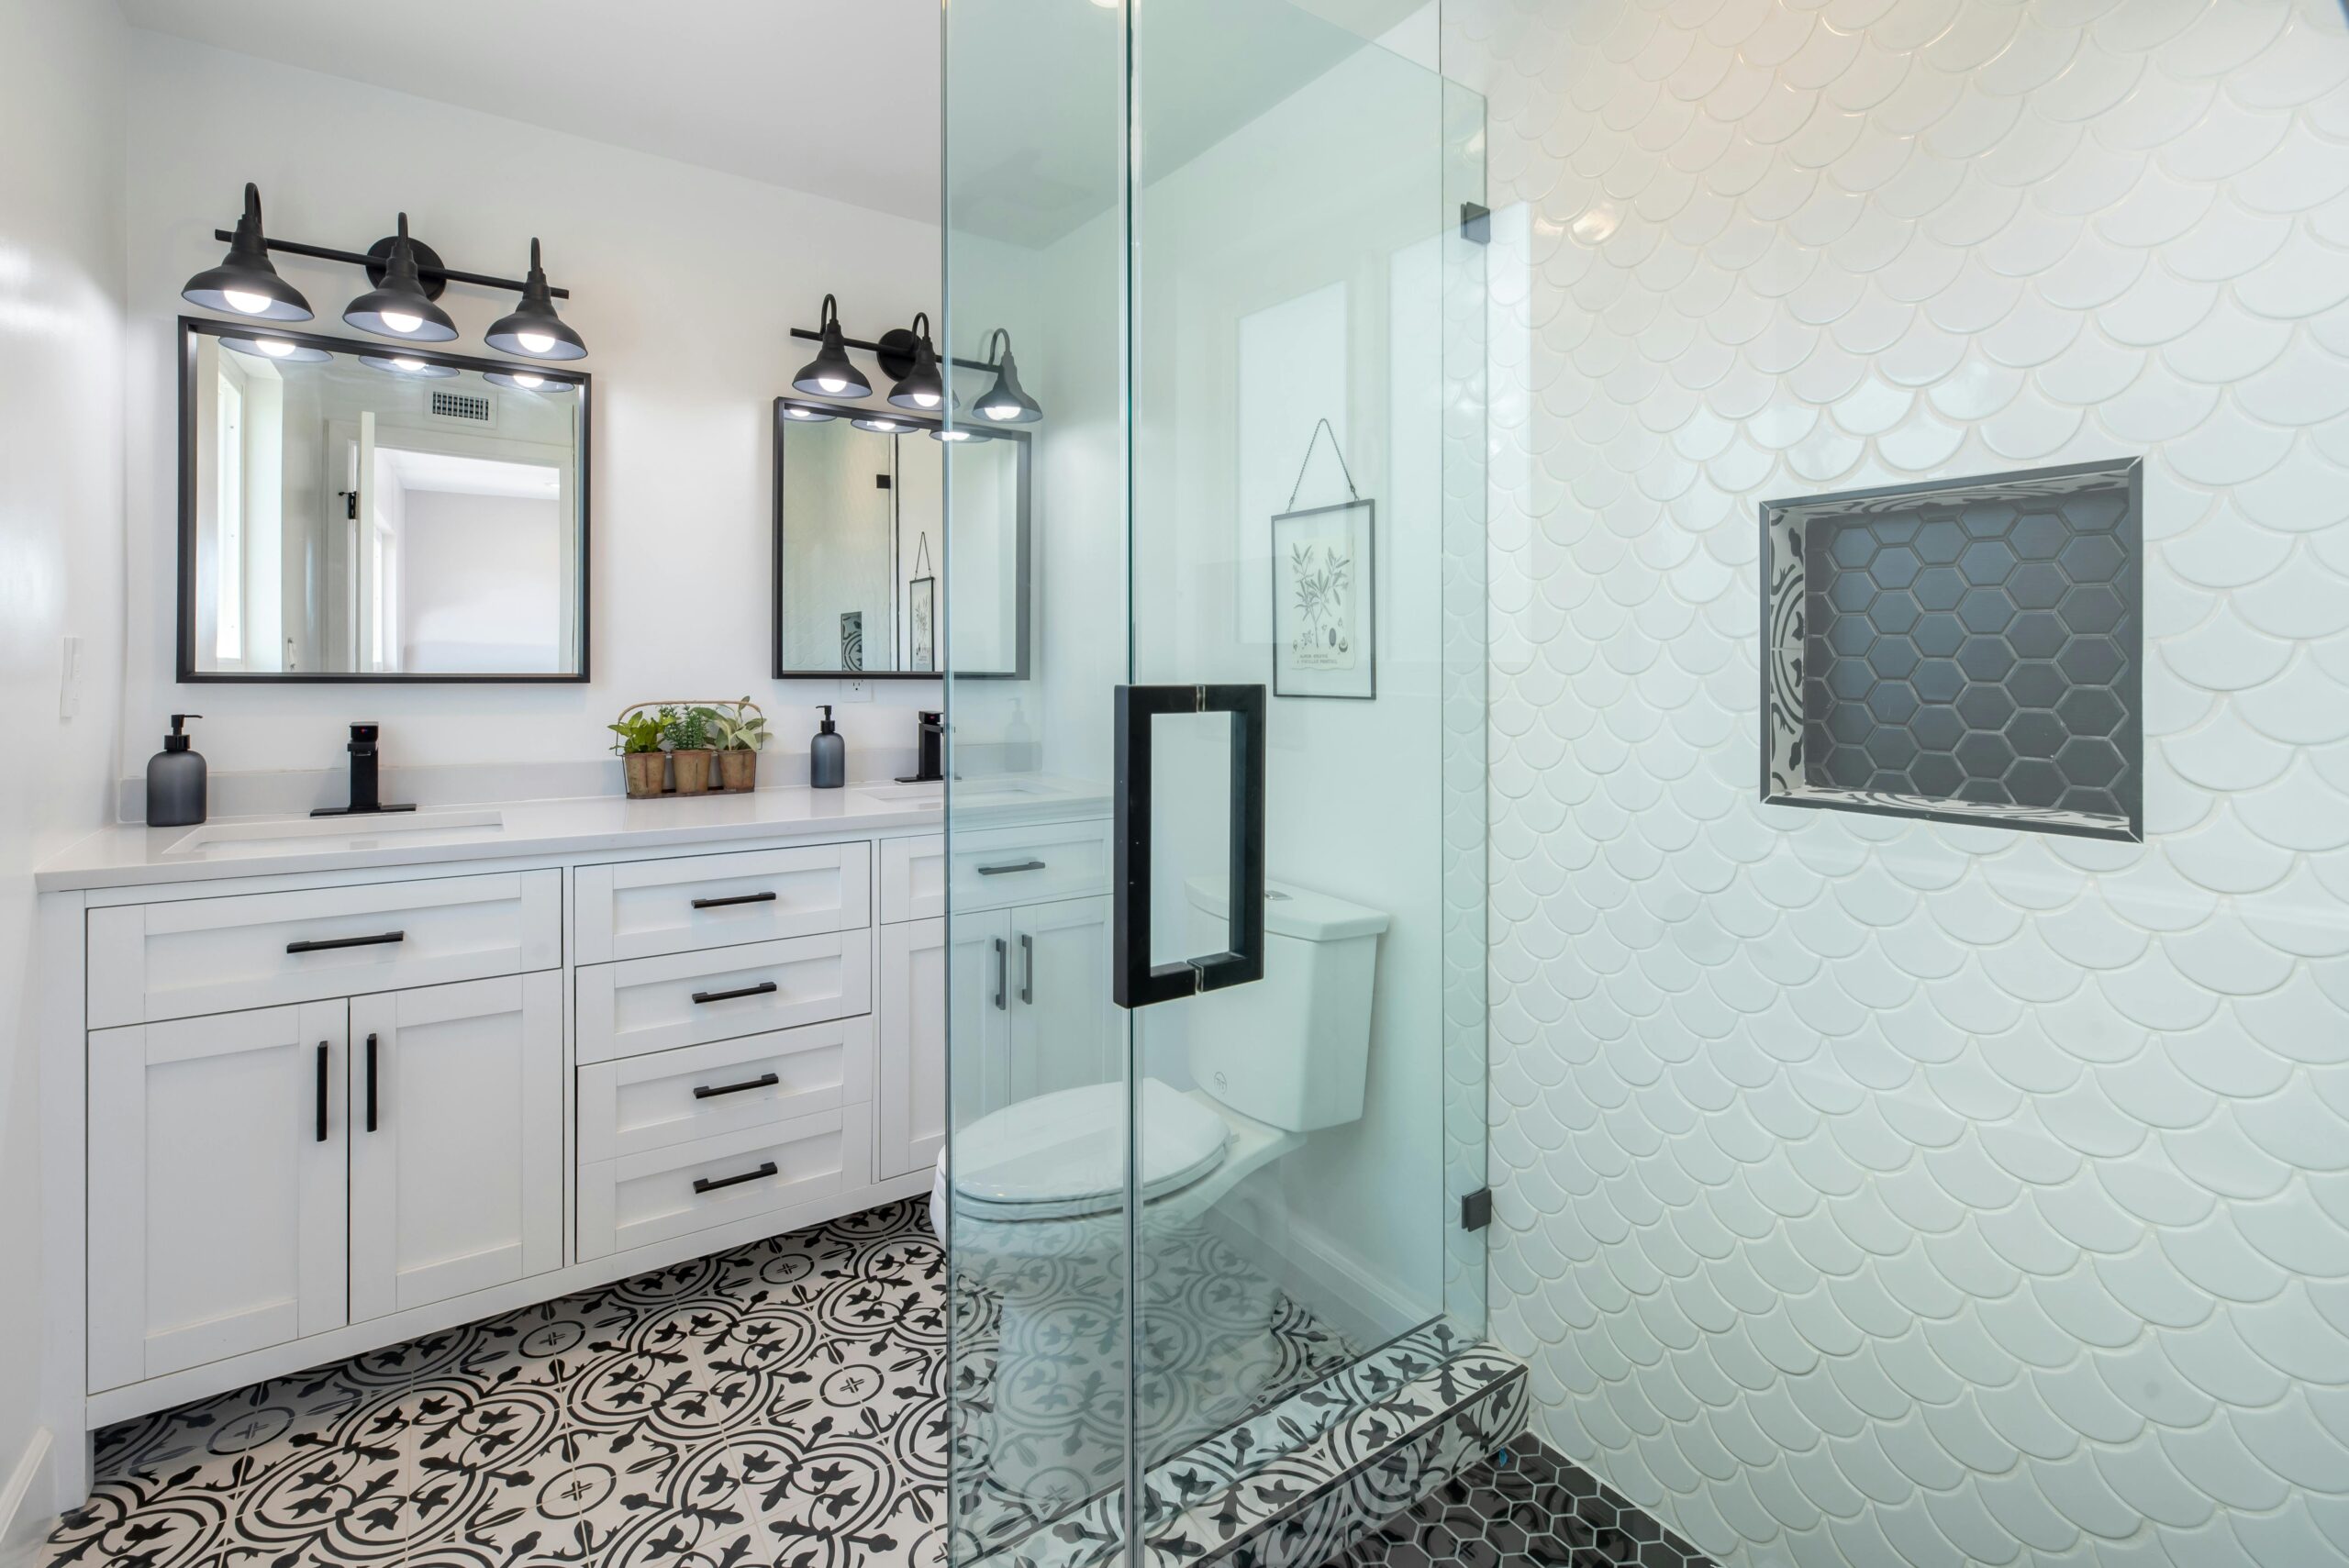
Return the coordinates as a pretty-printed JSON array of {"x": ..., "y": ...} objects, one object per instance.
[{"x": 299, "y": 835}]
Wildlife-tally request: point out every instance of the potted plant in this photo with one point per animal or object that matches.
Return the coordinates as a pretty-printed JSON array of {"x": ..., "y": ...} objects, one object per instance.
[
  {"x": 740, "y": 735},
  {"x": 639, "y": 749},
  {"x": 687, "y": 732}
]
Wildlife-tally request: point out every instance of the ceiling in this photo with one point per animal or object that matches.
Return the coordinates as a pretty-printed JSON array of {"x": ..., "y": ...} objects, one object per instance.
[{"x": 835, "y": 98}]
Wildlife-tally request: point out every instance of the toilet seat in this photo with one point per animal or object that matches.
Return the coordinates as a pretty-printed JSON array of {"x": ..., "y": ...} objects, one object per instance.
[{"x": 1061, "y": 1155}]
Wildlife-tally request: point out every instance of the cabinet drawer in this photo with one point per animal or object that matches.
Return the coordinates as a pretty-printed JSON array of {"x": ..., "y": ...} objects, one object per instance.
[
  {"x": 644, "y": 908},
  {"x": 638, "y": 1199},
  {"x": 212, "y": 955},
  {"x": 995, "y": 868},
  {"x": 657, "y": 1004},
  {"x": 642, "y": 1102},
  {"x": 913, "y": 878}
]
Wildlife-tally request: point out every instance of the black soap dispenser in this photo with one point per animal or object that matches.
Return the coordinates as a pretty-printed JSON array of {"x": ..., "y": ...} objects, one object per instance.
[
  {"x": 175, "y": 780},
  {"x": 827, "y": 755}
]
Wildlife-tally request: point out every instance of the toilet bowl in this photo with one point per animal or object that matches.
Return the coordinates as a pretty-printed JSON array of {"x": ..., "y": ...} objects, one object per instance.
[{"x": 1045, "y": 1179}]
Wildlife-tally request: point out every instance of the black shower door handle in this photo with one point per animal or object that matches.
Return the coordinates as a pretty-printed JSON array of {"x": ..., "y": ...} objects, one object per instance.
[{"x": 1134, "y": 981}]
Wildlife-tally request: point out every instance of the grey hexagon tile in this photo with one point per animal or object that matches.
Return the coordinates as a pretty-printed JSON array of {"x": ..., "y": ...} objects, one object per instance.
[{"x": 1960, "y": 689}]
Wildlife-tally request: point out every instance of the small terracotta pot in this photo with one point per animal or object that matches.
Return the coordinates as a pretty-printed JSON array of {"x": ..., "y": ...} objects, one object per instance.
[
  {"x": 693, "y": 770},
  {"x": 645, "y": 773},
  {"x": 738, "y": 770}
]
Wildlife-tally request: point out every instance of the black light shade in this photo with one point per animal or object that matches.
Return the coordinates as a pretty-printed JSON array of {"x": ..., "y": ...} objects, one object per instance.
[
  {"x": 807, "y": 414},
  {"x": 401, "y": 308},
  {"x": 534, "y": 330},
  {"x": 1007, "y": 402},
  {"x": 922, "y": 387},
  {"x": 283, "y": 351},
  {"x": 525, "y": 381},
  {"x": 244, "y": 283},
  {"x": 421, "y": 370},
  {"x": 829, "y": 374}
]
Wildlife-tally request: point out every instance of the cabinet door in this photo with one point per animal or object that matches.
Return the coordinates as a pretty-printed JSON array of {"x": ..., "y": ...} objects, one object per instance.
[
  {"x": 456, "y": 1139},
  {"x": 1063, "y": 1024},
  {"x": 922, "y": 987},
  {"x": 217, "y": 1187}
]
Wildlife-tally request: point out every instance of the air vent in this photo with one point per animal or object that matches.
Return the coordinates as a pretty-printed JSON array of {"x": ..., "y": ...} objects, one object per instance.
[{"x": 464, "y": 407}]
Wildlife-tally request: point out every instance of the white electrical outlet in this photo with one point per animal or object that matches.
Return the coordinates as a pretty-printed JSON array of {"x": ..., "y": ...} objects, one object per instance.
[{"x": 854, "y": 691}]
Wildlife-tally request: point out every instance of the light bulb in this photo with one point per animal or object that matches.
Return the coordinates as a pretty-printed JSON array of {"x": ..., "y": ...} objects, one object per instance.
[
  {"x": 401, "y": 321},
  {"x": 832, "y": 384},
  {"x": 245, "y": 303},
  {"x": 926, "y": 399},
  {"x": 275, "y": 347},
  {"x": 957, "y": 435},
  {"x": 535, "y": 342},
  {"x": 411, "y": 366},
  {"x": 1000, "y": 412},
  {"x": 524, "y": 378}
]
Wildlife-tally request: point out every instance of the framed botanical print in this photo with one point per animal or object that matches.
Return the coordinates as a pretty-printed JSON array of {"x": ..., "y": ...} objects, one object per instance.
[
  {"x": 921, "y": 624},
  {"x": 1325, "y": 631}
]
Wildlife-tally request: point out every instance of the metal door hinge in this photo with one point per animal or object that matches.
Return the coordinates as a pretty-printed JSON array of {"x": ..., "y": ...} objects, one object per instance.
[
  {"x": 1477, "y": 1209},
  {"x": 1476, "y": 223}
]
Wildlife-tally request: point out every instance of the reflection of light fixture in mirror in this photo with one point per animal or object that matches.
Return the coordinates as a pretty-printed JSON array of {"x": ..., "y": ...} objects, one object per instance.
[
  {"x": 808, "y": 413},
  {"x": 1007, "y": 402},
  {"x": 534, "y": 330},
  {"x": 829, "y": 374},
  {"x": 283, "y": 351},
  {"x": 400, "y": 306},
  {"x": 879, "y": 424},
  {"x": 401, "y": 364},
  {"x": 921, "y": 386},
  {"x": 959, "y": 433},
  {"x": 529, "y": 381},
  {"x": 244, "y": 283}
]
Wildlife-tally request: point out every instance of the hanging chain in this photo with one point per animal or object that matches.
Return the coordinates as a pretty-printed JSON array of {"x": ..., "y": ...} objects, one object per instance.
[{"x": 1335, "y": 451}]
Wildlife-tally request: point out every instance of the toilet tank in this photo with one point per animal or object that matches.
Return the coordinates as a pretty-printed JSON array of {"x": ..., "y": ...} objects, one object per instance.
[{"x": 1291, "y": 1049}]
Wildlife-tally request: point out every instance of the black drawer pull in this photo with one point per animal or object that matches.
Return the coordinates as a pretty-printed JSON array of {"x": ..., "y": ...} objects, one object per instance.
[
  {"x": 704, "y": 1184},
  {"x": 711, "y": 1091},
  {"x": 331, "y": 942},
  {"x": 761, "y": 989},
  {"x": 322, "y": 1091},
  {"x": 1015, "y": 866},
  {"x": 738, "y": 898},
  {"x": 371, "y": 1082}
]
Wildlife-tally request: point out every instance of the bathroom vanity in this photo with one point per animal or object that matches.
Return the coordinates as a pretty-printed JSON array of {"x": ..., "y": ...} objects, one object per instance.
[{"x": 313, "y": 1087}]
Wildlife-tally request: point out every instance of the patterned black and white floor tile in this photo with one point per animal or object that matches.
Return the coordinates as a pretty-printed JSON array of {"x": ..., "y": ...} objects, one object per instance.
[
  {"x": 782, "y": 1404},
  {"x": 1526, "y": 1505}
]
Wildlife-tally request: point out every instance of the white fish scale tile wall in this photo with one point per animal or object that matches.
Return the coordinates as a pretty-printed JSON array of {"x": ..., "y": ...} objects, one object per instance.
[{"x": 1872, "y": 1191}]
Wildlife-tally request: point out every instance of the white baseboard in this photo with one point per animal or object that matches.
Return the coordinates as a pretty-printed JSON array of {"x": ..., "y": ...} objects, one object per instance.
[
  {"x": 25, "y": 1515},
  {"x": 1323, "y": 1277}
]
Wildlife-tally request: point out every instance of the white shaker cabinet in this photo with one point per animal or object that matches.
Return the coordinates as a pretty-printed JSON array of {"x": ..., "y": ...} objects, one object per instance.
[
  {"x": 916, "y": 1002},
  {"x": 217, "y": 1187},
  {"x": 456, "y": 1139}
]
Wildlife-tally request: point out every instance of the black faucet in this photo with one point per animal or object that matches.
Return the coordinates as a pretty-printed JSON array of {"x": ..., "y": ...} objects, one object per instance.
[
  {"x": 931, "y": 730},
  {"x": 366, "y": 798}
]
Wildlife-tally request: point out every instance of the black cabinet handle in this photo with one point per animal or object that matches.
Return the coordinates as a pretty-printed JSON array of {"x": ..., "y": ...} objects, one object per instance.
[
  {"x": 371, "y": 1082},
  {"x": 1005, "y": 870},
  {"x": 1002, "y": 972},
  {"x": 322, "y": 1092},
  {"x": 738, "y": 898},
  {"x": 331, "y": 942},
  {"x": 705, "y": 1185},
  {"x": 761, "y": 989},
  {"x": 1027, "y": 968},
  {"x": 1135, "y": 982},
  {"x": 711, "y": 1091}
]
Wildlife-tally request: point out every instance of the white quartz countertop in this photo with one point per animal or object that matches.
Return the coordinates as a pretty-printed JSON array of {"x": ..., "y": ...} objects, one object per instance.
[{"x": 134, "y": 855}]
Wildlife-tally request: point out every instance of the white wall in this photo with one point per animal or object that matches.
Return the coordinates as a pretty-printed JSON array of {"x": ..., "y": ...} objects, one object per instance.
[
  {"x": 479, "y": 582},
  {"x": 1873, "y": 1192},
  {"x": 685, "y": 283},
  {"x": 61, "y": 575}
]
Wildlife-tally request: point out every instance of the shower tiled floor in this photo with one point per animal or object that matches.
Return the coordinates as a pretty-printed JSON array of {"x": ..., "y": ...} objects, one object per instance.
[{"x": 780, "y": 1404}]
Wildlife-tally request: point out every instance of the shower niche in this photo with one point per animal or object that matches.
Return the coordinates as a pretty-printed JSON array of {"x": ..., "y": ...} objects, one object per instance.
[{"x": 1967, "y": 651}]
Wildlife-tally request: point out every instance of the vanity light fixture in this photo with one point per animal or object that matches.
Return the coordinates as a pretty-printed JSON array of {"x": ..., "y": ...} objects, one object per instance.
[
  {"x": 920, "y": 387},
  {"x": 244, "y": 283},
  {"x": 529, "y": 381},
  {"x": 829, "y": 374},
  {"x": 533, "y": 330},
  {"x": 808, "y": 413},
  {"x": 400, "y": 306},
  {"x": 285, "y": 350},
  {"x": 402, "y": 365},
  {"x": 880, "y": 424},
  {"x": 1007, "y": 402}
]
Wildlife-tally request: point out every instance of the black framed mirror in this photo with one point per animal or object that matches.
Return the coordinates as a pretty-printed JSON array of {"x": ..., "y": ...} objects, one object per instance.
[
  {"x": 860, "y": 546},
  {"x": 363, "y": 511}
]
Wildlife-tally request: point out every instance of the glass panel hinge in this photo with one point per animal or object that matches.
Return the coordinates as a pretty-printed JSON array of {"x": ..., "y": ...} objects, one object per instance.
[{"x": 1477, "y": 1209}]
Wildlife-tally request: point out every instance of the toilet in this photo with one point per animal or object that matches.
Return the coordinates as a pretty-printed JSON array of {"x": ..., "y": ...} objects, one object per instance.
[{"x": 1039, "y": 1194}]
